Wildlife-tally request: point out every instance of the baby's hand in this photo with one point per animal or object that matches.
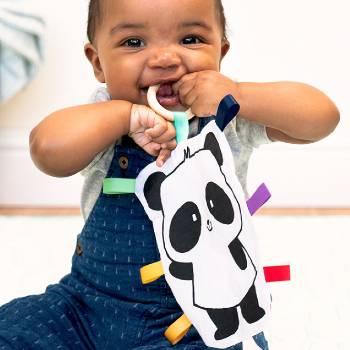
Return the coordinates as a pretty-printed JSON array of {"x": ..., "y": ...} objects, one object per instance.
[
  {"x": 152, "y": 132},
  {"x": 202, "y": 91}
]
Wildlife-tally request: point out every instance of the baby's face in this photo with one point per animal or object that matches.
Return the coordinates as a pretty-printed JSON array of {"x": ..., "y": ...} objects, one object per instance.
[{"x": 143, "y": 43}]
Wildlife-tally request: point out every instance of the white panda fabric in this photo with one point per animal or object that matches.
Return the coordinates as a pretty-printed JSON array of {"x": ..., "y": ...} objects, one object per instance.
[{"x": 206, "y": 239}]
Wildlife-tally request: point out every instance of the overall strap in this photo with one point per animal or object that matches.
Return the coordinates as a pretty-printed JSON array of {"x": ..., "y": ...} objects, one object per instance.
[
  {"x": 227, "y": 110},
  {"x": 203, "y": 121}
]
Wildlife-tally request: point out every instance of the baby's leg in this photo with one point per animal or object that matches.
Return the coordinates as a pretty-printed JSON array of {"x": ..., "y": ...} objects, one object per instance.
[
  {"x": 191, "y": 341},
  {"x": 157, "y": 322},
  {"x": 45, "y": 321}
]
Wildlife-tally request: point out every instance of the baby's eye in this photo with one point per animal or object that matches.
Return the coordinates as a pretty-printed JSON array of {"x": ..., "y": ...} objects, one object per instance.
[
  {"x": 190, "y": 40},
  {"x": 133, "y": 42}
]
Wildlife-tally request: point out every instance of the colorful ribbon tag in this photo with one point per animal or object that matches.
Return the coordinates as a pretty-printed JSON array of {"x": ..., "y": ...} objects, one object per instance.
[
  {"x": 118, "y": 186},
  {"x": 181, "y": 126},
  {"x": 277, "y": 273},
  {"x": 258, "y": 199}
]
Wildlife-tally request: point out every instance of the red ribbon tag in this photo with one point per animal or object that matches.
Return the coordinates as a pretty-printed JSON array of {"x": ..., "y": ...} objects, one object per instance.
[{"x": 277, "y": 273}]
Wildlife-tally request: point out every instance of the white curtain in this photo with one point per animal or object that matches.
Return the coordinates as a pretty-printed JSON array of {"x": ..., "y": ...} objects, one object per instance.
[{"x": 21, "y": 45}]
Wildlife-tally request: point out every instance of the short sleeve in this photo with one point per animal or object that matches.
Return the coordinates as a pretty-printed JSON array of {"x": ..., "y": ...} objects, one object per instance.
[
  {"x": 250, "y": 133},
  {"x": 103, "y": 159},
  {"x": 243, "y": 136},
  {"x": 100, "y": 163},
  {"x": 100, "y": 95}
]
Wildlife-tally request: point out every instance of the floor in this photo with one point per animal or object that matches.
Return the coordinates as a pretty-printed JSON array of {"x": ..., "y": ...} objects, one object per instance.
[{"x": 312, "y": 312}]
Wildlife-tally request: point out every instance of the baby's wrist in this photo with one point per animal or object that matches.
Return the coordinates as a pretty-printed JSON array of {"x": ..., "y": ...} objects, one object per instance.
[
  {"x": 125, "y": 107},
  {"x": 117, "y": 116},
  {"x": 134, "y": 119}
]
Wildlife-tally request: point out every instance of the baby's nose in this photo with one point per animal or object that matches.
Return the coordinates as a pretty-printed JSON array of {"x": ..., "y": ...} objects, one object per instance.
[{"x": 164, "y": 58}]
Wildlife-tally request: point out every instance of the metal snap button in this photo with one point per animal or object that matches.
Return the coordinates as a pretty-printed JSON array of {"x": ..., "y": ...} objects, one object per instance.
[
  {"x": 79, "y": 249},
  {"x": 123, "y": 162}
]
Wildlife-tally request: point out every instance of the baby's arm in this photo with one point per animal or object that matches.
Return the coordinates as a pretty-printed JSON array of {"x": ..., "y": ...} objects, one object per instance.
[
  {"x": 67, "y": 140},
  {"x": 292, "y": 112}
]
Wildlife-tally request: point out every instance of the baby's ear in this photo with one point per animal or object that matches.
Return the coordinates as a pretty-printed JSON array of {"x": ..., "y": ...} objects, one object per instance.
[
  {"x": 151, "y": 190},
  {"x": 92, "y": 55},
  {"x": 225, "y": 47},
  {"x": 212, "y": 145}
]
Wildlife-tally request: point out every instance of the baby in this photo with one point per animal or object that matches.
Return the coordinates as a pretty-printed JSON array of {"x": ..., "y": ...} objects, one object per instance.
[{"x": 135, "y": 44}]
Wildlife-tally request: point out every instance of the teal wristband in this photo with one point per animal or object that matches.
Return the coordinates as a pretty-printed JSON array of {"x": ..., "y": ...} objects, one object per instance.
[
  {"x": 118, "y": 186},
  {"x": 181, "y": 126}
]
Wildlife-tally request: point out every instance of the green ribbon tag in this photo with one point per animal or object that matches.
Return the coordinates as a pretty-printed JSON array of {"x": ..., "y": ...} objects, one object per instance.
[{"x": 118, "y": 186}]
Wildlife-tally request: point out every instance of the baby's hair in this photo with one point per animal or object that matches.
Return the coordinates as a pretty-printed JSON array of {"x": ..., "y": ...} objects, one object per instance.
[{"x": 95, "y": 16}]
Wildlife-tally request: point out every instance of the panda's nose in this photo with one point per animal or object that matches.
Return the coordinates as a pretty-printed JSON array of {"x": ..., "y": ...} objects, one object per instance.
[{"x": 209, "y": 225}]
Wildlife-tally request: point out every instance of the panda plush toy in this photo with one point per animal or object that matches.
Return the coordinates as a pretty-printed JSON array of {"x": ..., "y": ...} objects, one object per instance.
[{"x": 206, "y": 239}]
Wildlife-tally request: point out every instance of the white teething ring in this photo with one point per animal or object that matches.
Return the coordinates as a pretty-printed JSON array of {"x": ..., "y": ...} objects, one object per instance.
[{"x": 155, "y": 105}]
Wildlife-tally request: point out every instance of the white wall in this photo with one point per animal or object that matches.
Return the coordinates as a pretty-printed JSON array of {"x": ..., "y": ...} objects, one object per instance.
[
  {"x": 64, "y": 79},
  {"x": 270, "y": 40}
]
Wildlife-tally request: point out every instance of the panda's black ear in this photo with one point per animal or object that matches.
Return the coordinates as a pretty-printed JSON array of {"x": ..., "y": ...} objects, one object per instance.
[
  {"x": 212, "y": 144},
  {"x": 151, "y": 190}
]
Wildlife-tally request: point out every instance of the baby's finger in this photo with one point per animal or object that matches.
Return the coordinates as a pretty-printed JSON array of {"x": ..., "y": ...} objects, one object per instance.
[
  {"x": 152, "y": 148},
  {"x": 164, "y": 154},
  {"x": 179, "y": 84},
  {"x": 168, "y": 135},
  {"x": 187, "y": 93},
  {"x": 169, "y": 145},
  {"x": 157, "y": 130}
]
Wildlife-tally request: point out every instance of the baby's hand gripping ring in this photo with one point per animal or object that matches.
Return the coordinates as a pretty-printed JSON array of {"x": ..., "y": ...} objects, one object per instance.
[{"x": 180, "y": 119}]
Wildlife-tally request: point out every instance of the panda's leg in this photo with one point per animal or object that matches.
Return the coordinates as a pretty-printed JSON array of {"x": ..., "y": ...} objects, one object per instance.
[
  {"x": 251, "y": 311},
  {"x": 225, "y": 320}
]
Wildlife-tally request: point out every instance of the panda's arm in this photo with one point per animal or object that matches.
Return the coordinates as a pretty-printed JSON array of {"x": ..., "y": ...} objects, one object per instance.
[
  {"x": 182, "y": 271},
  {"x": 238, "y": 253}
]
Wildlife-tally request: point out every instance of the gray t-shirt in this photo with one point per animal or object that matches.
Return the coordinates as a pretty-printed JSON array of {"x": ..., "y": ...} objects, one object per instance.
[{"x": 242, "y": 135}]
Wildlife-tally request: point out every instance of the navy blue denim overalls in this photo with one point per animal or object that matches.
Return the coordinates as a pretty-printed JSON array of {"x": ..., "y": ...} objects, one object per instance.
[{"x": 102, "y": 303}]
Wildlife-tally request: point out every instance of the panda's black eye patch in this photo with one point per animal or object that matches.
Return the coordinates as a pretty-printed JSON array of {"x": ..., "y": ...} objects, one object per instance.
[
  {"x": 185, "y": 227},
  {"x": 219, "y": 204}
]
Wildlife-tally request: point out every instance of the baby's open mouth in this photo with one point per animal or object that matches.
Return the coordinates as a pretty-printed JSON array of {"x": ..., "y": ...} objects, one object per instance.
[{"x": 165, "y": 95}]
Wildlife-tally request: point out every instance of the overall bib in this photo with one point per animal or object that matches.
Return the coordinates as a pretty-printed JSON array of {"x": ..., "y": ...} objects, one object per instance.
[{"x": 102, "y": 303}]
